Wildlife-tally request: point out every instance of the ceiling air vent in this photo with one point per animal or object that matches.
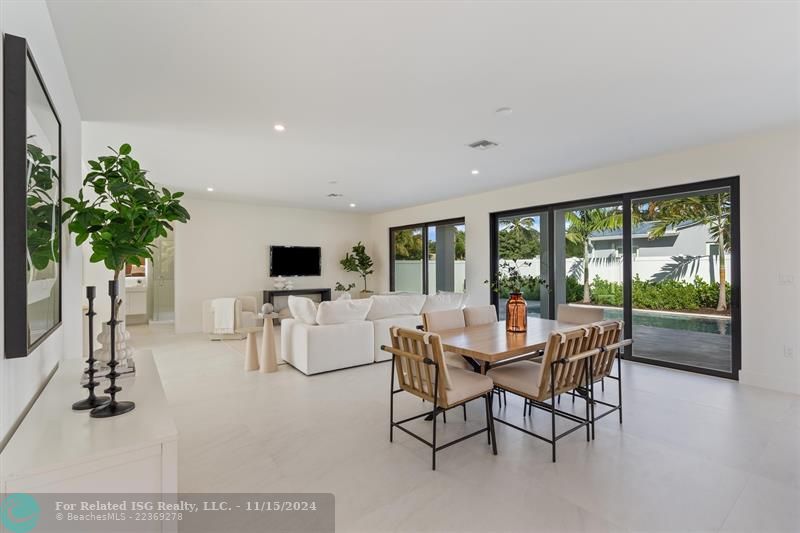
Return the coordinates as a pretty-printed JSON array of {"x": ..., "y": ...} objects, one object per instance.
[
  {"x": 335, "y": 195},
  {"x": 482, "y": 144}
]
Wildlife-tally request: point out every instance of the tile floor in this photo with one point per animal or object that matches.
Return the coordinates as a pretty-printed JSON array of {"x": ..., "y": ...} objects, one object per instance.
[{"x": 694, "y": 453}]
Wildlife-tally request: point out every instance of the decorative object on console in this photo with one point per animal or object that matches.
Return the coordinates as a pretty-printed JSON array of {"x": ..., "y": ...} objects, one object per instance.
[
  {"x": 122, "y": 223},
  {"x": 112, "y": 408},
  {"x": 340, "y": 287},
  {"x": 92, "y": 401},
  {"x": 32, "y": 203},
  {"x": 511, "y": 281},
  {"x": 123, "y": 353},
  {"x": 359, "y": 262},
  {"x": 280, "y": 283}
]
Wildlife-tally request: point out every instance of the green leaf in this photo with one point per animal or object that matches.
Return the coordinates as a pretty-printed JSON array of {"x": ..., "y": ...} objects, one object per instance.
[{"x": 125, "y": 149}]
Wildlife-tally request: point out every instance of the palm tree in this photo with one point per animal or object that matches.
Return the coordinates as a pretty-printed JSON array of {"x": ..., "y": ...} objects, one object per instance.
[
  {"x": 710, "y": 210},
  {"x": 582, "y": 224},
  {"x": 519, "y": 238}
]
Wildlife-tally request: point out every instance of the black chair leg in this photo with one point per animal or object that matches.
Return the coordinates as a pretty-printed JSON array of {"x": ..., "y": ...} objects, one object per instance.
[
  {"x": 490, "y": 422},
  {"x": 603, "y": 384},
  {"x": 391, "y": 401},
  {"x": 553, "y": 426},
  {"x": 465, "y": 411},
  {"x": 488, "y": 410},
  {"x": 433, "y": 458},
  {"x": 444, "y": 416}
]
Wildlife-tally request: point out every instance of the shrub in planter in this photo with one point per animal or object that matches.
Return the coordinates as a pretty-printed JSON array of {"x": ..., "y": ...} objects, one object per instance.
[{"x": 574, "y": 290}]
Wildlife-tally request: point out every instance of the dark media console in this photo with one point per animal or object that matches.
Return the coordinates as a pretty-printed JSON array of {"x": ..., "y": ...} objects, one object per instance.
[{"x": 269, "y": 296}]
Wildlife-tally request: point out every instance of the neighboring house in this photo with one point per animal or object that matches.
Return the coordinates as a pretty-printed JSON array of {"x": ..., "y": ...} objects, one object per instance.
[{"x": 690, "y": 239}]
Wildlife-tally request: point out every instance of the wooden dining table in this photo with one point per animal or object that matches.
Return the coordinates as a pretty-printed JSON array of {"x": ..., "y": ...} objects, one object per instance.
[{"x": 490, "y": 344}]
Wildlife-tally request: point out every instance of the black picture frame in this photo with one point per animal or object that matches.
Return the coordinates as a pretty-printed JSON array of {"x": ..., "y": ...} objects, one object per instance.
[{"x": 16, "y": 60}]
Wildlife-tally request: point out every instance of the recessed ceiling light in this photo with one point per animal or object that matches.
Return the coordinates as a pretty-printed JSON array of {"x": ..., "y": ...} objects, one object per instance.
[
  {"x": 352, "y": 205},
  {"x": 503, "y": 110},
  {"x": 475, "y": 171},
  {"x": 279, "y": 127},
  {"x": 210, "y": 189}
]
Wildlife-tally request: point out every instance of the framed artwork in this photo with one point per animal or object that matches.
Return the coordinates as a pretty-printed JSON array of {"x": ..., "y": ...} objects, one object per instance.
[{"x": 32, "y": 203}]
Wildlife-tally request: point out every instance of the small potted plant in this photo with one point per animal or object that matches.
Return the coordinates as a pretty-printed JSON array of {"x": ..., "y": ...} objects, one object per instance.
[
  {"x": 344, "y": 289},
  {"x": 359, "y": 262},
  {"x": 511, "y": 280}
]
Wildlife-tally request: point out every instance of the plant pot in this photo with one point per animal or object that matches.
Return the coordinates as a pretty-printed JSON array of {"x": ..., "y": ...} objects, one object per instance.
[
  {"x": 516, "y": 313},
  {"x": 365, "y": 294}
]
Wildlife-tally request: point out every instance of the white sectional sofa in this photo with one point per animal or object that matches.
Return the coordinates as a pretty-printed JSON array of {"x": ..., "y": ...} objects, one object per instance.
[{"x": 336, "y": 336}]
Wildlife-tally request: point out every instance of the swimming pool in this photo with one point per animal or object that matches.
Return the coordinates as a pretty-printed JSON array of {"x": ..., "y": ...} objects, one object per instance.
[
  {"x": 657, "y": 319},
  {"x": 679, "y": 321}
]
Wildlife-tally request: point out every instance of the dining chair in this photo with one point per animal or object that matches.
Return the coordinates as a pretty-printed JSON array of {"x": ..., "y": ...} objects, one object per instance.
[
  {"x": 477, "y": 316},
  {"x": 578, "y": 314},
  {"x": 418, "y": 363},
  {"x": 436, "y": 321},
  {"x": 607, "y": 336},
  {"x": 566, "y": 365}
]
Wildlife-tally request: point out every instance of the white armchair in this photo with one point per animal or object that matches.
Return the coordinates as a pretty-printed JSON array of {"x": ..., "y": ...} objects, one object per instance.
[{"x": 245, "y": 315}]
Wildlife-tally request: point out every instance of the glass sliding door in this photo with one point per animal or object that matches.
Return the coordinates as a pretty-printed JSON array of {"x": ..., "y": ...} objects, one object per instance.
[
  {"x": 664, "y": 260},
  {"x": 522, "y": 242},
  {"x": 429, "y": 257},
  {"x": 407, "y": 264},
  {"x": 681, "y": 271},
  {"x": 589, "y": 257},
  {"x": 446, "y": 258}
]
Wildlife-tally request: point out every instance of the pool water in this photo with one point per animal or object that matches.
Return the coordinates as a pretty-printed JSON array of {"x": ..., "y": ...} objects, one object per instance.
[
  {"x": 666, "y": 320},
  {"x": 703, "y": 324}
]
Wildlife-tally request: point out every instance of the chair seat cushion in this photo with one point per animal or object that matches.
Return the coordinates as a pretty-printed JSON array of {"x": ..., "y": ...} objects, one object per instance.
[
  {"x": 465, "y": 384},
  {"x": 521, "y": 377}
]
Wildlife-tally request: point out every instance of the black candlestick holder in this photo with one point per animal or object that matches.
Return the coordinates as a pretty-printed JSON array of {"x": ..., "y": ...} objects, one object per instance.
[
  {"x": 92, "y": 401},
  {"x": 113, "y": 407}
]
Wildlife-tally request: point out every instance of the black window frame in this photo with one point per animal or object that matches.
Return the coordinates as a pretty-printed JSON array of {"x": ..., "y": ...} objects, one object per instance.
[
  {"x": 626, "y": 199},
  {"x": 424, "y": 226}
]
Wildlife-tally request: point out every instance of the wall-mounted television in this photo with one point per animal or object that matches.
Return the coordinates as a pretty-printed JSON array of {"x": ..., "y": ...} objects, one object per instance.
[{"x": 292, "y": 261}]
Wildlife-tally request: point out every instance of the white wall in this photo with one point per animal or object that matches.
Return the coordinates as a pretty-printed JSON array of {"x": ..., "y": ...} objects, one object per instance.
[
  {"x": 769, "y": 166},
  {"x": 21, "y": 378},
  {"x": 223, "y": 250}
]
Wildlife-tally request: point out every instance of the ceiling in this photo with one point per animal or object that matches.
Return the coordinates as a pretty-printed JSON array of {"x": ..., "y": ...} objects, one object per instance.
[{"x": 383, "y": 97}]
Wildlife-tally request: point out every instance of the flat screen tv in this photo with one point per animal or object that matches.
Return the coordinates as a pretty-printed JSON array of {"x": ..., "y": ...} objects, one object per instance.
[{"x": 291, "y": 261}]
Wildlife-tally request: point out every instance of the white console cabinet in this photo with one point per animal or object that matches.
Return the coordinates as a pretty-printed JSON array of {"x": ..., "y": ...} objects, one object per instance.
[{"x": 58, "y": 450}]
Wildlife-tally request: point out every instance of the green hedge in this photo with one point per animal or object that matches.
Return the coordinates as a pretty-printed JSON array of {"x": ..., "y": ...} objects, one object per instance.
[{"x": 669, "y": 295}]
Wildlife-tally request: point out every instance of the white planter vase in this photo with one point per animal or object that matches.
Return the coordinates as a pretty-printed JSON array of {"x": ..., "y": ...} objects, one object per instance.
[{"x": 123, "y": 351}]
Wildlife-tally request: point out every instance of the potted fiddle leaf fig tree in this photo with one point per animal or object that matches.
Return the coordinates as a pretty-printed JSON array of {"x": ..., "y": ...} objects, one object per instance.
[
  {"x": 359, "y": 262},
  {"x": 121, "y": 220},
  {"x": 127, "y": 213}
]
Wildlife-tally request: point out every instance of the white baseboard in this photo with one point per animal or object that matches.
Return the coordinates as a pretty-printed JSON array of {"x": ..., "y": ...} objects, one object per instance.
[{"x": 766, "y": 381}]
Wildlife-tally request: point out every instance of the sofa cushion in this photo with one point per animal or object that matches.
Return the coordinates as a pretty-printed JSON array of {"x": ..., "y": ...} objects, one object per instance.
[
  {"x": 341, "y": 311},
  {"x": 385, "y": 306},
  {"x": 382, "y": 336},
  {"x": 303, "y": 309},
  {"x": 443, "y": 301}
]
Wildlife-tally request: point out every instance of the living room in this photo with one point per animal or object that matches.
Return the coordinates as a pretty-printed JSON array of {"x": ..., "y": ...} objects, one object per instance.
[{"x": 369, "y": 236}]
